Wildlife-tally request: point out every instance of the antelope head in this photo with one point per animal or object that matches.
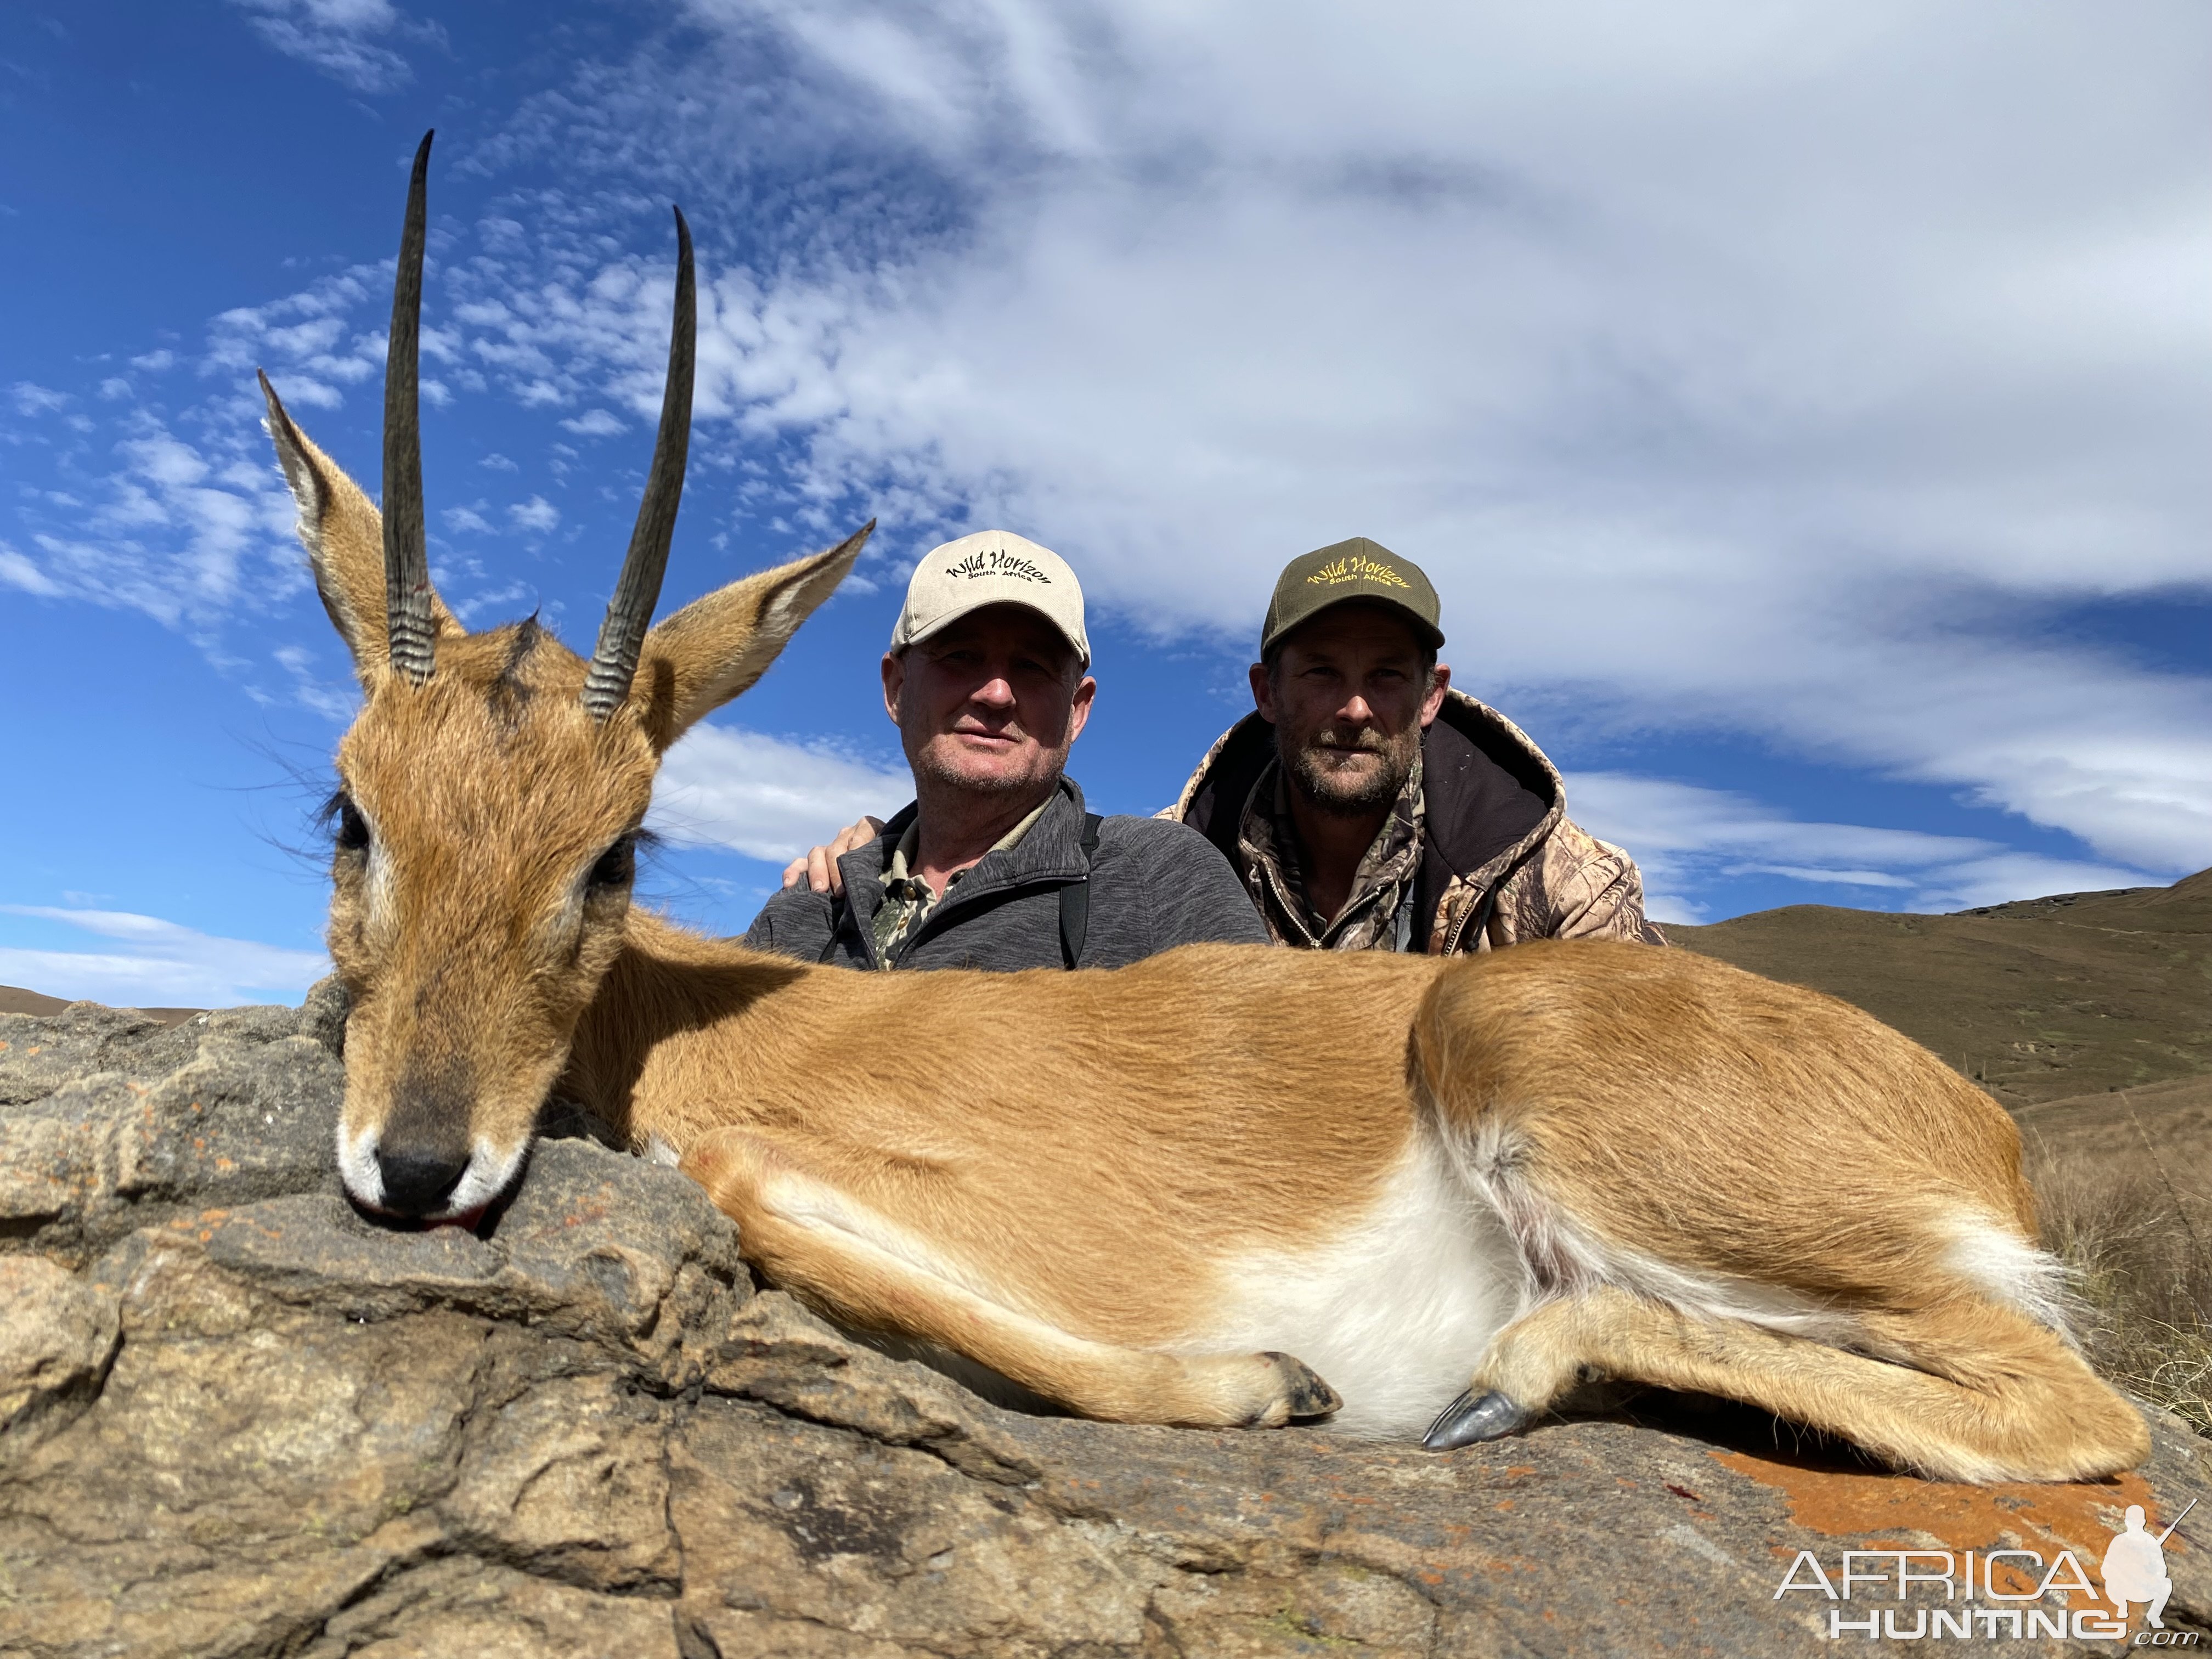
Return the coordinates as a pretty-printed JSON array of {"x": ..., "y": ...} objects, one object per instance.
[{"x": 491, "y": 789}]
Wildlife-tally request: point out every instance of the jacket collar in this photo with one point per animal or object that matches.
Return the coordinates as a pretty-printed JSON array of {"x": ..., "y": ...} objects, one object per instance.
[
  {"x": 1052, "y": 852},
  {"x": 1267, "y": 852},
  {"x": 1491, "y": 795}
]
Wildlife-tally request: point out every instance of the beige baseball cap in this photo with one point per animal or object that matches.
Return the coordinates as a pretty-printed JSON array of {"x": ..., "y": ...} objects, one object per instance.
[{"x": 992, "y": 567}]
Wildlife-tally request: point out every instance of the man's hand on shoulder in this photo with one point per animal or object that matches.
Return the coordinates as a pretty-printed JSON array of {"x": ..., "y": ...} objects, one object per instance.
[{"x": 818, "y": 866}]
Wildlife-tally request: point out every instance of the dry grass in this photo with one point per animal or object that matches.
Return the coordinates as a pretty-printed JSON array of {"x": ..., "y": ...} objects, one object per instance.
[{"x": 2140, "y": 1250}]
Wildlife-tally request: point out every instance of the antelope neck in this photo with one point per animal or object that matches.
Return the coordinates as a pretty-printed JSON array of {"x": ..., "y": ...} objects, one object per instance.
[{"x": 669, "y": 988}]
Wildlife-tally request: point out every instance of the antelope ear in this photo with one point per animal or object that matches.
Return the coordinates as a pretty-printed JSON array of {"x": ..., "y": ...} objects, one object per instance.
[
  {"x": 343, "y": 535},
  {"x": 715, "y": 648}
]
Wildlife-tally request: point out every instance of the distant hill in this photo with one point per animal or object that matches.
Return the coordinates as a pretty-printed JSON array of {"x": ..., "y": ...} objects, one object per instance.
[
  {"x": 2041, "y": 1000},
  {"x": 14, "y": 1000},
  {"x": 2164, "y": 1125}
]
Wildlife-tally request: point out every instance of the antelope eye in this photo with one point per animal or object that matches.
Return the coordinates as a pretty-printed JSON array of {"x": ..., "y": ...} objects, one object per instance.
[
  {"x": 616, "y": 866},
  {"x": 353, "y": 829}
]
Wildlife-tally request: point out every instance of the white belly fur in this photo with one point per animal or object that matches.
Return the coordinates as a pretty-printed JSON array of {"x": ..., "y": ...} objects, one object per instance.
[{"x": 1394, "y": 1313}]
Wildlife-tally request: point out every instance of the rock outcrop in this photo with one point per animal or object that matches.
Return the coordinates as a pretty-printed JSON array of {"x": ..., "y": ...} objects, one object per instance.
[{"x": 237, "y": 1418}]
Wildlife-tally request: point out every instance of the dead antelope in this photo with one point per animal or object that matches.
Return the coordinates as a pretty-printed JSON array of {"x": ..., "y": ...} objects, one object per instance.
[{"x": 1140, "y": 1192}]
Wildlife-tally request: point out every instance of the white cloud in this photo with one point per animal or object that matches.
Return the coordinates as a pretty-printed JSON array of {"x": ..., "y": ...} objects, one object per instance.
[
  {"x": 1683, "y": 834},
  {"x": 338, "y": 699},
  {"x": 537, "y": 515},
  {"x": 188, "y": 533},
  {"x": 196, "y": 531},
  {"x": 164, "y": 965},
  {"x": 1840, "y": 877},
  {"x": 491, "y": 601},
  {"x": 1778, "y": 377},
  {"x": 595, "y": 423},
  {"x": 498, "y": 463},
  {"x": 308, "y": 340},
  {"x": 765, "y": 797},
  {"x": 188, "y": 522},
  {"x": 338, "y": 37},
  {"x": 1775, "y": 377},
  {"x": 18, "y": 572}
]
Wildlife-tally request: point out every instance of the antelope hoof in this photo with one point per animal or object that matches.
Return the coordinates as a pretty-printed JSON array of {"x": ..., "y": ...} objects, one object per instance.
[
  {"x": 1473, "y": 1417},
  {"x": 1303, "y": 1394}
]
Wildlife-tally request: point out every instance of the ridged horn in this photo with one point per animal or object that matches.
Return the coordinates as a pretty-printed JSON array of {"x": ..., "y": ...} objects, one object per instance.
[
  {"x": 411, "y": 636},
  {"x": 630, "y": 613}
]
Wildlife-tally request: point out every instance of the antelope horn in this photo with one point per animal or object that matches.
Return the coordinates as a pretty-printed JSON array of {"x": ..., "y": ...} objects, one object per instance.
[
  {"x": 411, "y": 634},
  {"x": 622, "y": 635}
]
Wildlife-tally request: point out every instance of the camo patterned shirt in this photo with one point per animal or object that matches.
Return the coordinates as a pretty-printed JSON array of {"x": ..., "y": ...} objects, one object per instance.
[
  {"x": 1379, "y": 913},
  {"x": 908, "y": 899}
]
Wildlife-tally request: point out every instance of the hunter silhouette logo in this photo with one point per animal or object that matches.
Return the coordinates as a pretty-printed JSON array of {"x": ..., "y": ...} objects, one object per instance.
[
  {"x": 2000, "y": 1593},
  {"x": 997, "y": 562},
  {"x": 1337, "y": 572},
  {"x": 2135, "y": 1568}
]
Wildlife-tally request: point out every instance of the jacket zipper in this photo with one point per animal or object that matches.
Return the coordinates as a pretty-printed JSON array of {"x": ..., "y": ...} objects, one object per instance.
[
  {"x": 1275, "y": 887},
  {"x": 939, "y": 908}
]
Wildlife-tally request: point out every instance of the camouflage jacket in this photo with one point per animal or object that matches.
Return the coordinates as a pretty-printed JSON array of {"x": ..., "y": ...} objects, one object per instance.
[{"x": 1499, "y": 860}]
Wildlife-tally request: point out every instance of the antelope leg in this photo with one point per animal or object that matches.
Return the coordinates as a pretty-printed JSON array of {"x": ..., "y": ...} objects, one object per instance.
[
  {"x": 810, "y": 1238},
  {"x": 1966, "y": 1389}
]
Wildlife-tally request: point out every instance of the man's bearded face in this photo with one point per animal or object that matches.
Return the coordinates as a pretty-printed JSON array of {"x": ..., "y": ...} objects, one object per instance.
[
  {"x": 1349, "y": 697},
  {"x": 1350, "y": 771}
]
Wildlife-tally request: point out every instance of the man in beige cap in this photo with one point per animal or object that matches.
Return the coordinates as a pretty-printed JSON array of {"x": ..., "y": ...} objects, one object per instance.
[
  {"x": 1367, "y": 805},
  {"x": 996, "y": 864}
]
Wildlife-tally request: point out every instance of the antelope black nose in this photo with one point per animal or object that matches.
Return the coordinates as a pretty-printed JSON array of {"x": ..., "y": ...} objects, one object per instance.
[{"x": 416, "y": 1183}]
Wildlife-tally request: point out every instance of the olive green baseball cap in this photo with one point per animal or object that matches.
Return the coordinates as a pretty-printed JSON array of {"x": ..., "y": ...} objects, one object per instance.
[{"x": 1356, "y": 569}]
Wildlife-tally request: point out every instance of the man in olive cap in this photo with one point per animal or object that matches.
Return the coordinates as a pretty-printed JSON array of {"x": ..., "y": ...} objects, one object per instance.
[{"x": 1367, "y": 805}]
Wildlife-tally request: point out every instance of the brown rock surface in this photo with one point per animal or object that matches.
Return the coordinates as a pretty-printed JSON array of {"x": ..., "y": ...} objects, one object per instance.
[
  {"x": 57, "y": 1335},
  {"x": 243, "y": 1421}
]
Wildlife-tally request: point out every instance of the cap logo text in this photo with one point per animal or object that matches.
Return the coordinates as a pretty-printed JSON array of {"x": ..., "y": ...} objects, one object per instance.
[
  {"x": 997, "y": 562},
  {"x": 1355, "y": 568}
]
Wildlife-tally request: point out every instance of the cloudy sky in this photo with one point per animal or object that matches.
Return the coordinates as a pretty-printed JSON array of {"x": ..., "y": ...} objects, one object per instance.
[{"x": 1802, "y": 409}]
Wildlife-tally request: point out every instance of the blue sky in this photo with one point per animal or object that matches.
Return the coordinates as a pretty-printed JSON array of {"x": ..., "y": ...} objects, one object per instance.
[{"x": 1802, "y": 410}]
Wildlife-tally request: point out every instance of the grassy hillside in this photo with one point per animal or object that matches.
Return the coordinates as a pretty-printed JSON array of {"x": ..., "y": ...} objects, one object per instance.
[
  {"x": 14, "y": 1000},
  {"x": 2039, "y": 1001}
]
